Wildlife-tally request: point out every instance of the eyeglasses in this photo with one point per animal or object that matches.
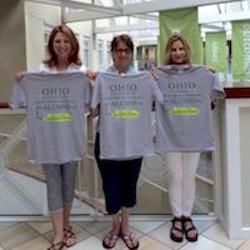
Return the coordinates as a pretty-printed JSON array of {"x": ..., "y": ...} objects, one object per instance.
[{"x": 120, "y": 51}]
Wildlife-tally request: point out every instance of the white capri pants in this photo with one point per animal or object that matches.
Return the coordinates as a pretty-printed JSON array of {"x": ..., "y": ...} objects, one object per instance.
[{"x": 181, "y": 181}]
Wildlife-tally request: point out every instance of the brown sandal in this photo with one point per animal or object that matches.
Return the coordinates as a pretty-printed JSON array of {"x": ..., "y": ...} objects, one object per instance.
[
  {"x": 56, "y": 246},
  {"x": 130, "y": 237},
  {"x": 69, "y": 235},
  {"x": 112, "y": 239}
]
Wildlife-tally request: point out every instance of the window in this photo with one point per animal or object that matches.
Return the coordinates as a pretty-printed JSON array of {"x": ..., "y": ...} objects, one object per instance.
[
  {"x": 108, "y": 53},
  {"x": 86, "y": 51},
  {"x": 100, "y": 53}
]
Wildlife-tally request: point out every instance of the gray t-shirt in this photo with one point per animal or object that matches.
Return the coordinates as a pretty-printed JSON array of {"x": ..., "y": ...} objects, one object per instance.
[
  {"x": 125, "y": 108},
  {"x": 183, "y": 123},
  {"x": 55, "y": 106}
]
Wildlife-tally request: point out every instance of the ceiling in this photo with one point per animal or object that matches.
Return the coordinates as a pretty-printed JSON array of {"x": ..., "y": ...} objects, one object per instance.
[
  {"x": 141, "y": 16},
  {"x": 82, "y": 10}
]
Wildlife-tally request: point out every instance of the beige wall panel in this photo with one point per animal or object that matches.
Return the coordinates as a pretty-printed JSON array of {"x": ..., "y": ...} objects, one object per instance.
[{"x": 12, "y": 44}]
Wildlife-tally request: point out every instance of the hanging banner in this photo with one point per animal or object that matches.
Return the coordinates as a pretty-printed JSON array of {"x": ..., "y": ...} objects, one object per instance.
[
  {"x": 184, "y": 21},
  {"x": 158, "y": 59},
  {"x": 241, "y": 50},
  {"x": 216, "y": 51}
]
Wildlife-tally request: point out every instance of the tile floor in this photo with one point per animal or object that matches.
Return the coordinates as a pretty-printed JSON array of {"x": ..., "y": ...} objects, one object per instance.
[{"x": 153, "y": 235}]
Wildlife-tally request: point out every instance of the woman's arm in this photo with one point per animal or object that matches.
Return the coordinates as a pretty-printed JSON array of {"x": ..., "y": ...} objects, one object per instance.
[
  {"x": 20, "y": 75},
  {"x": 91, "y": 74},
  {"x": 94, "y": 112}
]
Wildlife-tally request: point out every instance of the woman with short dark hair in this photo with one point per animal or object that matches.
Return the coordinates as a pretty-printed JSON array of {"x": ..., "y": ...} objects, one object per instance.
[{"x": 119, "y": 176}]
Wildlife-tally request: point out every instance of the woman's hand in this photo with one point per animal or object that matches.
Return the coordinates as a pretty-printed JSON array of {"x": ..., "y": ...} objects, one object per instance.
[
  {"x": 20, "y": 75},
  {"x": 95, "y": 111},
  {"x": 210, "y": 68},
  {"x": 91, "y": 74}
]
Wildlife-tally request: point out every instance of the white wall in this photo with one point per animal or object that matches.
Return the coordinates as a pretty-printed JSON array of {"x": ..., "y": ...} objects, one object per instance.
[
  {"x": 37, "y": 16},
  {"x": 245, "y": 169}
]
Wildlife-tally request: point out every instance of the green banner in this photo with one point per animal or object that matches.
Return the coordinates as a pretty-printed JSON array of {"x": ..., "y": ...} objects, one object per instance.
[
  {"x": 216, "y": 51},
  {"x": 184, "y": 21},
  {"x": 241, "y": 50},
  {"x": 158, "y": 60}
]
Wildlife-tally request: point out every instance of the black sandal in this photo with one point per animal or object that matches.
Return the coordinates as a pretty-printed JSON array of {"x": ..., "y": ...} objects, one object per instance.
[
  {"x": 189, "y": 229},
  {"x": 172, "y": 233}
]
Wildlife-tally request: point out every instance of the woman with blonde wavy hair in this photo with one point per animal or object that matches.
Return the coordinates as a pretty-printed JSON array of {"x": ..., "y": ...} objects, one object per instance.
[{"x": 186, "y": 88}]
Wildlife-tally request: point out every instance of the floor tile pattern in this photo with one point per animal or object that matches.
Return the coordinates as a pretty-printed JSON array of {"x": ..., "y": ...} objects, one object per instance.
[{"x": 153, "y": 235}]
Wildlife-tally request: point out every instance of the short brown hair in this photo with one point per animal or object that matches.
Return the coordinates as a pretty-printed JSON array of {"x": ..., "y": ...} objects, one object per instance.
[
  {"x": 126, "y": 39},
  {"x": 74, "y": 55},
  {"x": 169, "y": 44}
]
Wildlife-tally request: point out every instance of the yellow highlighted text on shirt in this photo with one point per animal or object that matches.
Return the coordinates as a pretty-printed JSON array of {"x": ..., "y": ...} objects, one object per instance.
[
  {"x": 125, "y": 114},
  {"x": 58, "y": 117},
  {"x": 184, "y": 111}
]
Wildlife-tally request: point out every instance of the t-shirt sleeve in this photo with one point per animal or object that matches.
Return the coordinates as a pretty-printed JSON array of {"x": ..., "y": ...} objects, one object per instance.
[
  {"x": 83, "y": 69},
  {"x": 42, "y": 68},
  {"x": 217, "y": 90},
  {"x": 96, "y": 93},
  {"x": 18, "y": 97}
]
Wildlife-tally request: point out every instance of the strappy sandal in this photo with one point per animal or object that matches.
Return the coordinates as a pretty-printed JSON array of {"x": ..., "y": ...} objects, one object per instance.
[
  {"x": 56, "y": 246},
  {"x": 112, "y": 239},
  {"x": 187, "y": 229},
  {"x": 174, "y": 228},
  {"x": 69, "y": 235},
  {"x": 130, "y": 237}
]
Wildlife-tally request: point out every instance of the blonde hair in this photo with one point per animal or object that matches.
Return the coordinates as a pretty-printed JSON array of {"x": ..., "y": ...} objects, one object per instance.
[{"x": 171, "y": 40}]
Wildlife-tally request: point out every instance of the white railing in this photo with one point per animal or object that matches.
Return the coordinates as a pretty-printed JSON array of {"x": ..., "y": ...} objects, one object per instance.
[{"x": 88, "y": 182}]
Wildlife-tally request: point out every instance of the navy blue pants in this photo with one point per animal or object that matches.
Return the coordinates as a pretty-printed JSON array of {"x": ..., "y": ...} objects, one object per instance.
[{"x": 119, "y": 180}]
